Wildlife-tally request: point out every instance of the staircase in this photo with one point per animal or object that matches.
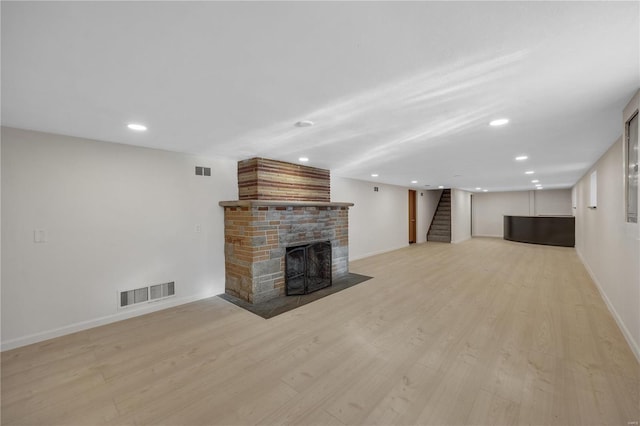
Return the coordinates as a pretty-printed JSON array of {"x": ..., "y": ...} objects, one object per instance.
[{"x": 440, "y": 229}]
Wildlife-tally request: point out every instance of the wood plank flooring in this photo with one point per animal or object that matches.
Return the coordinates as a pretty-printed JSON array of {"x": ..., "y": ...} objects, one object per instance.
[{"x": 487, "y": 332}]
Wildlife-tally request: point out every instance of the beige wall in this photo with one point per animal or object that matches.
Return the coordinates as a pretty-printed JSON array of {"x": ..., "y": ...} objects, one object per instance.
[
  {"x": 490, "y": 207},
  {"x": 609, "y": 246},
  {"x": 117, "y": 217}
]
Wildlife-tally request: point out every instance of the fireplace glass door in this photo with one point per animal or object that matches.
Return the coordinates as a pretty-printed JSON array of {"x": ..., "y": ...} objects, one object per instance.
[{"x": 308, "y": 268}]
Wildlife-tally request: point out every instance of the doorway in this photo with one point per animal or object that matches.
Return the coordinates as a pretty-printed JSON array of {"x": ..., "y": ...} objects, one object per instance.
[{"x": 412, "y": 216}]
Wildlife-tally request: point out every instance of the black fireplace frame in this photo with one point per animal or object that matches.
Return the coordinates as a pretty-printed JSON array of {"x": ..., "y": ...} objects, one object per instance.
[{"x": 311, "y": 282}]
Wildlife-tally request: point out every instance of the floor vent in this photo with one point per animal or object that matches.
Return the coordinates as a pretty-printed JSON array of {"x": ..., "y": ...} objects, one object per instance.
[
  {"x": 160, "y": 291},
  {"x": 147, "y": 294}
]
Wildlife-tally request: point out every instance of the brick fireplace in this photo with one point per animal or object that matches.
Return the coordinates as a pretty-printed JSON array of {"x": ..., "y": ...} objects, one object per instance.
[{"x": 281, "y": 205}]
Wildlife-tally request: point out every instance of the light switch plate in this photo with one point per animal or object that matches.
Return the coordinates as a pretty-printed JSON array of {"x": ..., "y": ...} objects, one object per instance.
[{"x": 39, "y": 236}]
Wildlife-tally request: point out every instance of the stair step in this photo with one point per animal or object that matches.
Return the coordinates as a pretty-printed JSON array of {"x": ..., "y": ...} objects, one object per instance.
[
  {"x": 442, "y": 221},
  {"x": 439, "y": 234},
  {"x": 440, "y": 229}
]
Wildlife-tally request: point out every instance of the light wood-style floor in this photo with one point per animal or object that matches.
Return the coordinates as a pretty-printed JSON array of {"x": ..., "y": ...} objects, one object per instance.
[{"x": 483, "y": 332}]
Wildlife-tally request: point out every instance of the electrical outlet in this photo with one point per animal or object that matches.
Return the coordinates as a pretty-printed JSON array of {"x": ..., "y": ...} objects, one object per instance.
[{"x": 198, "y": 228}]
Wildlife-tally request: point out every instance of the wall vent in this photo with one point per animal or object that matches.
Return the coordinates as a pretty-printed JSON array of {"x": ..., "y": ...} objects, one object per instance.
[
  {"x": 203, "y": 171},
  {"x": 147, "y": 294},
  {"x": 160, "y": 291},
  {"x": 131, "y": 297}
]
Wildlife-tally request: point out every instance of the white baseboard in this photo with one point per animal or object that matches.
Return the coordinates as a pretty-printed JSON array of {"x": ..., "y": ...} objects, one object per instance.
[
  {"x": 375, "y": 253},
  {"x": 635, "y": 348},
  {"x": 85, "y": 325},
  {"x": 461, "y": 240}
]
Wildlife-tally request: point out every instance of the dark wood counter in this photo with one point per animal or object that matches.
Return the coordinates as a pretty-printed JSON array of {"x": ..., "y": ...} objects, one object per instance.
[{"x": 549, "y": 230}]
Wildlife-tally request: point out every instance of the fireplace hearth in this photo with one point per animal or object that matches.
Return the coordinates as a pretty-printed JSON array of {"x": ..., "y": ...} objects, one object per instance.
[{"x": 307, "y": 268}]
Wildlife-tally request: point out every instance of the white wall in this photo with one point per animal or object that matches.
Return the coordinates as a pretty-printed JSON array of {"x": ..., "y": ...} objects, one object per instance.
[
  {"x": 490, "y": 207},
  {"x": 379, "y": 221},
  {"x": 609, "y": 246},
  {"x": 554, "y": 202},
  {"x": 460, "y": 215},
  {"x": 116, "y": 217}
]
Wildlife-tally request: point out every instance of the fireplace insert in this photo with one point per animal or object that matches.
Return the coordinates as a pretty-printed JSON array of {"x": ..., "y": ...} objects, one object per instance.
[{"x": 307, "y": 268}]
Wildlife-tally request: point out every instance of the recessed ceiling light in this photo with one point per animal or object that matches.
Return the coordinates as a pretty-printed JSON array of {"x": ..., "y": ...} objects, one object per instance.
[
  {"x": 374, "y": 175},
  {"x": 304, "y": 123},
  {"x": 521, "y": 157},
  {"x": 529, "y": 172},
  {"x": 414, "y": 181},
  {"x": 478, "y": 189},
  {"x": 499, "y": 122},
  {"x": 485, "y": 190},
  {"x": 303, "y": 159},
  {"x": 539, "y": 187},
  {"x": 538, "y": 184},
  {"x": 137, "y": 127},
  {"x": 535, "y": 181},
  {"x": 440, "y": 187}
]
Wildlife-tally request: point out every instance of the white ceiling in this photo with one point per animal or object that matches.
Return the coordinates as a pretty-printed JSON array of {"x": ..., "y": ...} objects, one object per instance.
[{"x": 402, "y": 89}]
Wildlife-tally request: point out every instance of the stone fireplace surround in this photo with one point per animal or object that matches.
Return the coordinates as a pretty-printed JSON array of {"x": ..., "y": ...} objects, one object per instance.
[
  {"x": 257, "y": 233},
  {"x": 281, "y": 205}
]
